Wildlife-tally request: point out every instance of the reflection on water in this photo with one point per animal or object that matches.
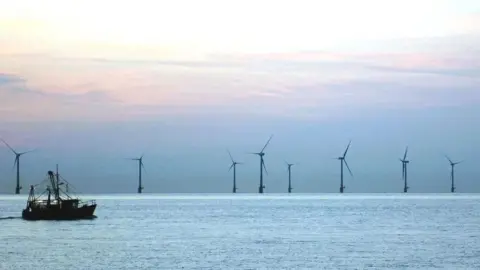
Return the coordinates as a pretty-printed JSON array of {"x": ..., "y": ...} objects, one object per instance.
[{"x": 250, "y": 231}]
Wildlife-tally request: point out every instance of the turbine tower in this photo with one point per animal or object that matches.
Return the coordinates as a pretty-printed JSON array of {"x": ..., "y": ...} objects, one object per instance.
[
  {"x": 262, "y": 166},
  {"x": 342, "y": 161},
  {"x": 289, "y": 167},
  {"x": 140, "y": 166},
  {"x": 404, "y": 170},
  {"x": 17, "y": 162},
  {"x": 234, "y": 166},
  {"x": 452, "y": 173}
]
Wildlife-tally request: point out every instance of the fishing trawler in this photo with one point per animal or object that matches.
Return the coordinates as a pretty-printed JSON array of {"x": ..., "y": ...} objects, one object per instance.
[{"x": 56, "y": 204}]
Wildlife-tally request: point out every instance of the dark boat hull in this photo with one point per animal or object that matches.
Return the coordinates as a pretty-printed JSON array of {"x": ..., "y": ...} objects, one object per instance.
[{"x": 84, "y": 212}]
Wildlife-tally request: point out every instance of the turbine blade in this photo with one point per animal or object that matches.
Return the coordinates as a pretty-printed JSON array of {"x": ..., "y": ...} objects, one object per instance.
[
  {"x": 405, "y": 155},
  {"x": 346, "y": 164},
  {"x": 233, "y": 164},
  {"x": 403, "y": 170},
  {"x": 143, "y": 167},
  {"x": 458, "y": 162},
  {"x": 230, "y": 155},
  {"x": 9, "y": 146},
  {"x": 15, "y": 162},
  {"x": 27, "y": 152},
  {"x": 271, "y": 136},
  {"x": 346, "y": 150},
  {"x": 264, "y": 167}
]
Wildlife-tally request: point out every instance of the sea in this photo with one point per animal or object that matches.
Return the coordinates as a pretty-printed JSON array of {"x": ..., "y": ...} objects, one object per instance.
[{"x": 250, "y": 231}]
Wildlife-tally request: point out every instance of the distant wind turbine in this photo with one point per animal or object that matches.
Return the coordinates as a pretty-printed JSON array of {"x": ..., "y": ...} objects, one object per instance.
[
  {"x": 262, "y": 165},
  {"x": 452, "y": 175},
  {"x": 342, "y": 161},
  {"x": 17, "y": 162},
  {"x": 404, "y": 170},
  {"x": 140, "y": 166},
  {"x": 289, "y": 168},
  {"x": 234, "y": 166}
]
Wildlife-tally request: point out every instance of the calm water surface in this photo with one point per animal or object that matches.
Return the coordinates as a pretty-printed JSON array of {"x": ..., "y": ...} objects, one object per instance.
[{"x": 250, "y": 232}]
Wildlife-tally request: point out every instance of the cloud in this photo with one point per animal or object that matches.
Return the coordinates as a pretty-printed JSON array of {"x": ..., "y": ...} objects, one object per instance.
[
  {"x": 291, "y": 84},
  {"x": 21, "y": 103},
  {"x": 247, "y": 94},
  {"x": 15, "y": 92},
  {"x": 9, "y": 79},
  {"x": 462, "y": 72}
]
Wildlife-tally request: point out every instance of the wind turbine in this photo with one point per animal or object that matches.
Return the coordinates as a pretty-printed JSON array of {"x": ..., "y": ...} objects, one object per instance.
[
  {"x": 17, "y": 162},
  {"x": 140, "y": 166},
  {"x": 289, "y": 167},
  {"x": 342, "y": 161},
  {"x": 234, "y": 166},
  {"x": 262, "y": 165},
  {"x": 404, "y": 170},
  {"x": 452, "y": 176}
]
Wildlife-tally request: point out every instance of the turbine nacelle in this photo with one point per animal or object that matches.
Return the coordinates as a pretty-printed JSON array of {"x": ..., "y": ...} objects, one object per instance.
[
  {"x": 289, "y": 165},
  {"x": 234, "y": 163},
  {"x": 451, "y": 162}
]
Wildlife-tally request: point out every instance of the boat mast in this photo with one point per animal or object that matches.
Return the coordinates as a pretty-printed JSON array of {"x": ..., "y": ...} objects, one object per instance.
[
  {"x": 57, "y": 193},
  {"x": 31, "y": 195},
  {"x": 54, "y": 185}
]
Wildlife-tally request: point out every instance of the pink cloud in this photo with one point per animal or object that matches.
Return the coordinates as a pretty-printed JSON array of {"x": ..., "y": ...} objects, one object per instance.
[{"x": 284, "y": 84}]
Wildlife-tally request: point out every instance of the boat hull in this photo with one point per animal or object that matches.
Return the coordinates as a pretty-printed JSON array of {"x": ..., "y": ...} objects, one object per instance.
[{"x": 84, "y": 212}]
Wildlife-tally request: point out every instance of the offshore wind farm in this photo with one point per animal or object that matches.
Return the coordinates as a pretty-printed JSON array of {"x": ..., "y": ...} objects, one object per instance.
[{"x": 263, "y": 169}]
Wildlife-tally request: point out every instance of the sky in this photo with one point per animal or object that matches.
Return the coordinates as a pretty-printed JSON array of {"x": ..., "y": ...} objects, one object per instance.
[{"x": 89, "y": 84}]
